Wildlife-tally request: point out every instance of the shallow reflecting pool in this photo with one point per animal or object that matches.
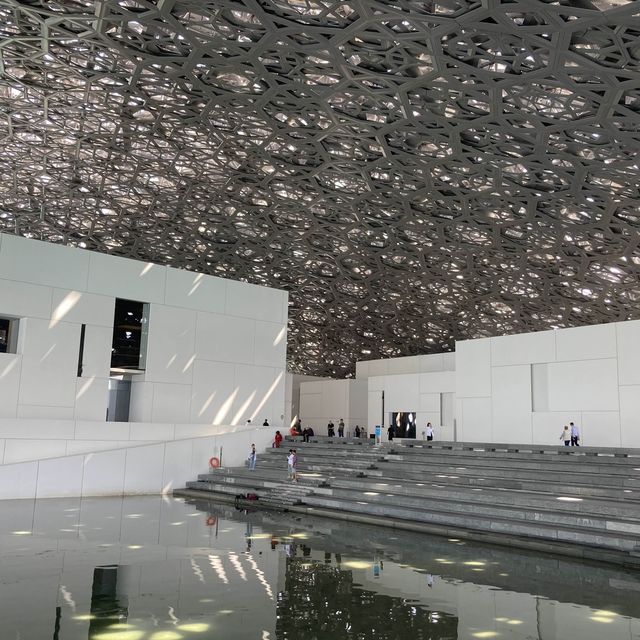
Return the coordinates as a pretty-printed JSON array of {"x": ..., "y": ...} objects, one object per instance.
[{"x": 153, "y": 568}]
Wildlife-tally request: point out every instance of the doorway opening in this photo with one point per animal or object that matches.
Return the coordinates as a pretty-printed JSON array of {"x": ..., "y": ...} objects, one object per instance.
[
  {"x": 119, "y": 398},
  {"x": 404, "y": 423}
]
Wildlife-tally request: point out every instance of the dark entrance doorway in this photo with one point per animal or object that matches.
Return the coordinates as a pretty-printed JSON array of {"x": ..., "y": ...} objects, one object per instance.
[{"x": 404, "y": 423}]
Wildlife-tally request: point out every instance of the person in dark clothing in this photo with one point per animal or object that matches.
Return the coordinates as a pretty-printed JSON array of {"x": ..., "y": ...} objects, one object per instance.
[
  {"x": 265, "y": 423},
  {"x": 391, "y": 431},
  {"x": 356, "y": 431}
]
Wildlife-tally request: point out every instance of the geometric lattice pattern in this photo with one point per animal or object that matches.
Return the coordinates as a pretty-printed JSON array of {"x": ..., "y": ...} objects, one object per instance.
[{"x": 412, "y": 171}]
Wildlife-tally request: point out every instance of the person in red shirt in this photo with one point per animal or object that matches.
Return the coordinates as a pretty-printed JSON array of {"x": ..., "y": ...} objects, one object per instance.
[{"x": 277, "y": 440}]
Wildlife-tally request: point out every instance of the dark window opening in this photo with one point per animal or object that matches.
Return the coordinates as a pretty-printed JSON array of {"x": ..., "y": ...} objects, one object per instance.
[
  {"x": 4, "y": 335},
  {"x": 8, "y": 335},
  {"x": 83, "y": 329},
  {"x": 128, "y": 348}
]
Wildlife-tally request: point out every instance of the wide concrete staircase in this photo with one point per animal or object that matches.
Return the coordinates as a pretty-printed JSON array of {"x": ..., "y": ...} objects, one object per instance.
[{"x": 581, "y": 502}]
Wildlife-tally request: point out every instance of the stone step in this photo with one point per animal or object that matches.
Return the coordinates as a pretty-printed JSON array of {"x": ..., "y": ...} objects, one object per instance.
[
  {"x": 596, "y": 512},
  {"x": 518, "y": 521},
  {"x": 424, "y": 464},
  {"x": 585, "y": 485},
  {"x": 541, "y": 449},
  {"x": 387, "y": 468},
  {"x": 362, "y": 490},
  {"x": 576, "y": 463},
  {"x": 494, "y": 523},
  {"x": 576, "y": 456},
  {"x": 589, "y": 501}
]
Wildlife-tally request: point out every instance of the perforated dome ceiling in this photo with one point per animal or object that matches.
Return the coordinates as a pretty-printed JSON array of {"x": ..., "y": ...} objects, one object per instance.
[{"x": 411, "y": 171}]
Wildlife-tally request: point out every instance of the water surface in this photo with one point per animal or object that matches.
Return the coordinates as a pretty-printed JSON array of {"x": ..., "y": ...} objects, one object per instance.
[{"x": 150, "y": 568}]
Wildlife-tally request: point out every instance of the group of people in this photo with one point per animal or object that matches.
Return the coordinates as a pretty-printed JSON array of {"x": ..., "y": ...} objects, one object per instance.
[
  {"x": 264, "y": 424},
  {"x": 429, "y": 432},
  {"x": 292, "y": 458},
  {"x": 331, "y": 430},
  {"x": 571, "y": 435},
  {"x": 298, "y": 430}
]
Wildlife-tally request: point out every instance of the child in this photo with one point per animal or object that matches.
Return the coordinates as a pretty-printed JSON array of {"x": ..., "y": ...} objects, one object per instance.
[
  {"x": 252, "y": 458},
  {"x": 290, "y": 465}
]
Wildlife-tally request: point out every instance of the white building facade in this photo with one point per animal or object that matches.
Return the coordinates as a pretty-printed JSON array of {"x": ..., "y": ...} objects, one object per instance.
[
  {"x": 512, "y": 389},
  {"x": 215, "y": 358}
]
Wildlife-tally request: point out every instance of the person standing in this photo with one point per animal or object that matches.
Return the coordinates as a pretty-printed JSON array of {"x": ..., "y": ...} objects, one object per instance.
[
  {"x": 294, "y": 465},
  {"x": 331, "y": 429},
  {"x": 290, "y": 465},
  {"x": 391, "y": 431},
  {"x": 252, "y": 458},
  {"x": 575, "y": 435},
  {"x": 356, "y": 431},
  {"x": 341, "y": 428},
  {"x": 429, "y": 432},
  {"x": 566, "y": 436}
]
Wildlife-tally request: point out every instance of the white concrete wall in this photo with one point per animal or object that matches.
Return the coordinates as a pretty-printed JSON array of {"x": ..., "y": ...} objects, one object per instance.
[
  {"x": 215, "y": 356},
  {"x": 322, "y": 401},
  {"x": 423, "y": 384},
  {"x": 410, "y": 364},
  {"x": 524, "y": 388},
  {"x": 292, "y": 396},
  {"x": 520, "y": 388},
  {"x": 216, "y": 348},
  {"x": 29, "y": 440},
  {"x": 127, "y": 469}
]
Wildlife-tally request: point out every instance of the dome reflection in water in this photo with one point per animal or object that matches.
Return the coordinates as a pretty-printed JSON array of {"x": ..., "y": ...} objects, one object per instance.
[{"x": 159, "y": 569}]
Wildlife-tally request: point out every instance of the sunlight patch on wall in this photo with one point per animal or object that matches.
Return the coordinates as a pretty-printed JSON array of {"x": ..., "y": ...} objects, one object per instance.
[
  {"x": 67, "y": 303},
  {"x": 226, "y": 407},
  {"x": 207, "y": 403},
  {"x": 85, "y": 387}
]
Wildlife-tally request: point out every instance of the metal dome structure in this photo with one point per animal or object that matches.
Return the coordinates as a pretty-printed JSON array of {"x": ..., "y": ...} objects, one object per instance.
[{"x": 411, "y": 171}]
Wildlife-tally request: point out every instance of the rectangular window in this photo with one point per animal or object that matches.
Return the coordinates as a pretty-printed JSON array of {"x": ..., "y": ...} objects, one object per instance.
[
  {"x": 129, "y": 345},
  {"x": 83, "y": 329},
  {"x": 9, "y": 334}
]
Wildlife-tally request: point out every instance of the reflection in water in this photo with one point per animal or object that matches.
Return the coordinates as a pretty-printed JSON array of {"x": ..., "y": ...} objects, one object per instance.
[
  {"x": 158, "y": 569},
  {"x": 108, "y": 607},
  {"x": 322, "y": 600}
]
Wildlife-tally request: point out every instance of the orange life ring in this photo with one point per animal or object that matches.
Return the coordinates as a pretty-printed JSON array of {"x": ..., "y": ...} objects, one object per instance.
[
  {"x": 214, "y": 462},
  {"x": 211, "y": 521}
]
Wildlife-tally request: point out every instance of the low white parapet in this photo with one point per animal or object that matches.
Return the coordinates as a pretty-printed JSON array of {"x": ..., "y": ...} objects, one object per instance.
[{"x": 124, "y": 467}]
